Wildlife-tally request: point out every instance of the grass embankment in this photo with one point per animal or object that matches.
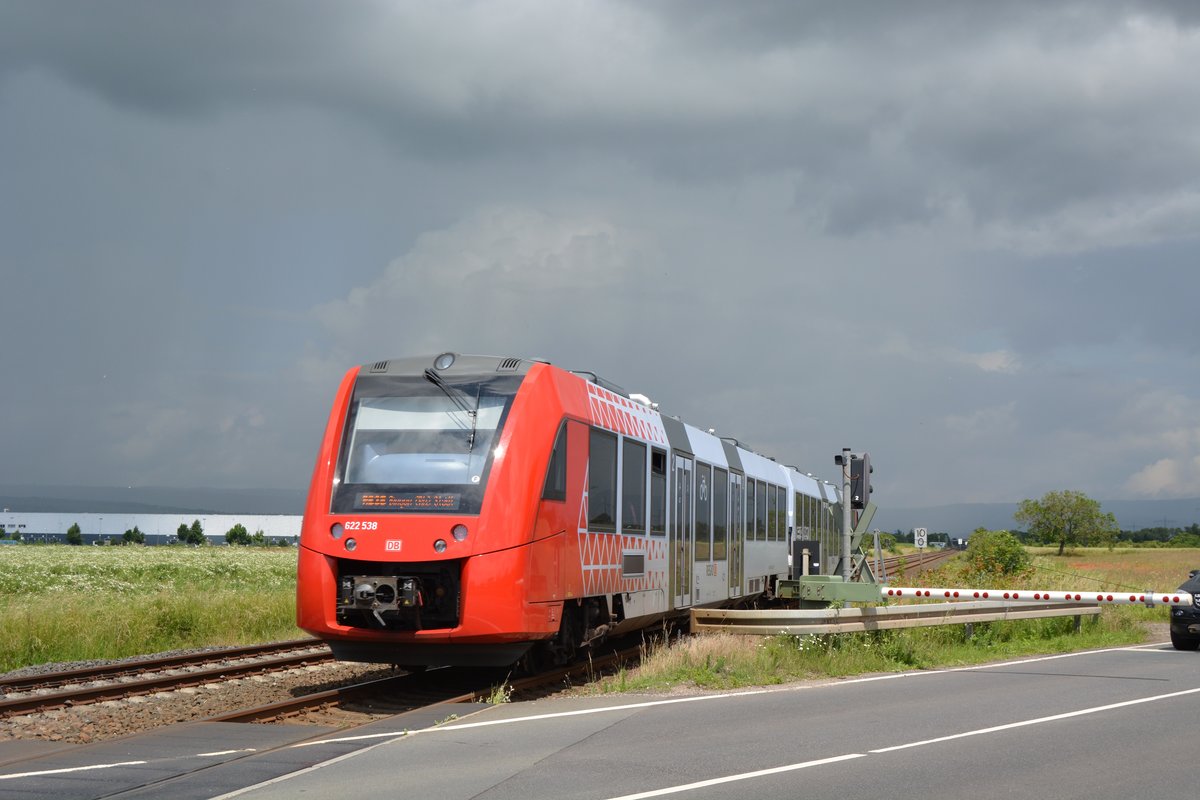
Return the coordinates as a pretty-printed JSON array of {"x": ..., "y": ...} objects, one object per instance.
[
  {"x": 61, "y": 603},
  {"x": 729, "y": 661}
]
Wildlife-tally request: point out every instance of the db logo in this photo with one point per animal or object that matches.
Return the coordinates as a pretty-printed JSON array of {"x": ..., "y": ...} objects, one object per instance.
[{"x": 392, "y": 545}]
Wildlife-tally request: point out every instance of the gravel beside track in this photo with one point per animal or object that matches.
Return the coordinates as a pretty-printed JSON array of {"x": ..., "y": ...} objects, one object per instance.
[{"x": 113, "y": 719}]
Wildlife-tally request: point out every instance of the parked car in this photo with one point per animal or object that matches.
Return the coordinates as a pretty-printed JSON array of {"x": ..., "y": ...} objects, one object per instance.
[{"x": 1185, "y": 622}]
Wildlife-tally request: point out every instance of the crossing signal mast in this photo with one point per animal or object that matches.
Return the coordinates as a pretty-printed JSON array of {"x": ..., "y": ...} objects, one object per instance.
[{"x": 856, "y": 485}]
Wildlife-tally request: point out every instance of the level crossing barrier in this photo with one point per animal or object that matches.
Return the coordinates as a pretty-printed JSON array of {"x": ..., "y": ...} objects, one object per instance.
[{"x": 1146, "y": 598}]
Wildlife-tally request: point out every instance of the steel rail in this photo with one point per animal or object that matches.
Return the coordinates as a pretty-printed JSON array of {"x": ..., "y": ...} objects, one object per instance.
[
  {"x": 118, "y": 690},
  {"x": 24, "y": 683}
]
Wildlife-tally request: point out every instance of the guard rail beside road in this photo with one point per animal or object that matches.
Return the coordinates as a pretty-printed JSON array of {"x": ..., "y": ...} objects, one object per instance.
[{"x": 853, "y": 620}]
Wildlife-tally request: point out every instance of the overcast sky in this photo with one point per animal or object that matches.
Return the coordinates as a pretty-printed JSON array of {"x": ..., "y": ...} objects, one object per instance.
[{"x": 962, "y": 236}]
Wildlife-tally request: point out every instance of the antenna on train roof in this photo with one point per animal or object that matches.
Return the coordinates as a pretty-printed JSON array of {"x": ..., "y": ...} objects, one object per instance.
[
  {"x": 641, "y": 398},
  {"x": 596, "y": 379}
]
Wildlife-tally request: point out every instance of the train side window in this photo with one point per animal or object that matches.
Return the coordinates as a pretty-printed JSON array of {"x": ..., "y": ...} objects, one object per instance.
[
  {"x": 602, "y": 482},
  {"x": 750, "y": 500},
  {"x": 720, "y": 512},
  {"x": 772, "y": 514},
  {"x": 781, "y": 502},
  {"x": 760, "y": 511},
  {"x": 556, "y": 472},
  {"x": 658, "y": 492},
  {"x": 633, "y": 487}
]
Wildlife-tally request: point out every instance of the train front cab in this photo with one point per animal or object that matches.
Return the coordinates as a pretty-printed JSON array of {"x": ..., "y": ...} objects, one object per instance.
[{"x": 419, "y": 543}]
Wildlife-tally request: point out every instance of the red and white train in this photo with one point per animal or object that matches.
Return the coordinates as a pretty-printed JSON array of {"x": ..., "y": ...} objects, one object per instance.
[{"x": 472, "y": 509}]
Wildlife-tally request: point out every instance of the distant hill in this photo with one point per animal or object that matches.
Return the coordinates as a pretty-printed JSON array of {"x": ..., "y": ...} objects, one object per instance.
[
  {"x": 150, "y": 500},
  {"x": 958, "y": 519},
  {"x": 962, "y": 518}
]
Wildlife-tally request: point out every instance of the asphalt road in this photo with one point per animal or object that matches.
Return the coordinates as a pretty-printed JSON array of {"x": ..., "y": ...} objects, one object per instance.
[{"x": 1110, "y": 724}]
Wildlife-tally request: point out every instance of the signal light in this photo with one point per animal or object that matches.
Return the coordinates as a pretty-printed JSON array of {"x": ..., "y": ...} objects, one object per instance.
[{"x": 860, "y": 480}]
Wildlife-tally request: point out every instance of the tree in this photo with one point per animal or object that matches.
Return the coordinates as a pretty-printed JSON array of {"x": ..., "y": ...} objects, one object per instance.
[
  {"x": 260, "y": 538},
  {"x": 192, "y": 535},
  {"x": 74, "y": 536},
  {"x": 237, "y": 535},
  {"x": 134, "y": 536},
  {"x": 1067, "y": 518}
]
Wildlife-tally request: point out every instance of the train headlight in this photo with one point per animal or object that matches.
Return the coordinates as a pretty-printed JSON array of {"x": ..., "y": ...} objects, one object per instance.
[
  {"x": 459, "y": 532},
  {"x": 440, "y": 545},
  {"x": 351, "y": 544},
  {"x": 336, "y": 530},
  {"x": 443, "y": 361}
]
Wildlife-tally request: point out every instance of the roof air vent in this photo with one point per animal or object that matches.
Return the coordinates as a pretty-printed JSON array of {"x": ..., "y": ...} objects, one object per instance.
[
  {"x": 379, "y": 366},
  {"x": 509, "y": 365}
]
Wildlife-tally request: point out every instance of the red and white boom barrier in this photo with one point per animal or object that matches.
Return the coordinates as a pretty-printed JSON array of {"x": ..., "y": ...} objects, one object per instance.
[{"x": 1034, "y": 596}]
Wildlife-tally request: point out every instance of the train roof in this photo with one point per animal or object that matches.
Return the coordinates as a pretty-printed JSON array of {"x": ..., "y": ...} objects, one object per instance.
[{"x": 681, "y": 435}]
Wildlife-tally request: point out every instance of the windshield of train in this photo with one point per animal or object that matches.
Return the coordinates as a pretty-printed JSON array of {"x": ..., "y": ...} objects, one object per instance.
[{"x": 420, "y": 444}]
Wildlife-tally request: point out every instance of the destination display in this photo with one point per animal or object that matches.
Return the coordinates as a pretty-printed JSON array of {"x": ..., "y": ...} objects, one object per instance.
[{"x": 407, "y": 501}]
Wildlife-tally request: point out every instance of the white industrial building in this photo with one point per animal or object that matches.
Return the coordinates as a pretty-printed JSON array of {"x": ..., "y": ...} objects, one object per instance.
[{"x": 159, "y": 528}]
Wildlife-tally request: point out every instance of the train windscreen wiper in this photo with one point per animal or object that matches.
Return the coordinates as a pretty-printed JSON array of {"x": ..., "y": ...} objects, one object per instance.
[{"x": 457, "y": 396}]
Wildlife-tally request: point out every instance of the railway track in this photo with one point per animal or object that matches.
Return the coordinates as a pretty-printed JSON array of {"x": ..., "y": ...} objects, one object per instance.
[
  {"x": 446, "y": 686},
  {"x": 342, "y": 706},
  {"x": 51, "y": 690},
  {"x": 915, "y": 563}
]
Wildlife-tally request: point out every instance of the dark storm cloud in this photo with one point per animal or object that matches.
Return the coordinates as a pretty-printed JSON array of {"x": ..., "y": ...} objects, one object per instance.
[
  {"x": 959, "y": 235},
  {"x": 889, "y": 115}
]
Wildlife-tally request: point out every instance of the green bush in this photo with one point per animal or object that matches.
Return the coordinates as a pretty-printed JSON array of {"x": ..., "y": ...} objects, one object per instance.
[{"x": 995, "y": 554}]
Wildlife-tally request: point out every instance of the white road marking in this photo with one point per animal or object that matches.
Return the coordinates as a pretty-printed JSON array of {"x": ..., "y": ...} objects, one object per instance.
[
  {"x": 401, "y": 734},
  {"x": 536, "y": 717},
  {"x": 745, "y": 776},
  {"x": 12, "y": 775},
  {"x": 1024, "y": 723},
  {"x": 742, "y": 777}
]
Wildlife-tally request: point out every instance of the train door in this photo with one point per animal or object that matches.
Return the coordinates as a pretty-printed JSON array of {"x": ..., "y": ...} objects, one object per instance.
[
  {"x": 737, "y": 531},
  {"x": 681, "y": 533}
]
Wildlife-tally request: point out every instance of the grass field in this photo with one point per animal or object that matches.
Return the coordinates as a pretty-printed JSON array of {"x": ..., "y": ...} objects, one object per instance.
[
  {"x": 1132, "y": 569},
  {"x": 61, "y": 603}
]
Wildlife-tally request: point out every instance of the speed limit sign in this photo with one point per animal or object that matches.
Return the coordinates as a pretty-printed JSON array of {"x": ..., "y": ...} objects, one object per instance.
[{"x": 920, "y": 537}]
